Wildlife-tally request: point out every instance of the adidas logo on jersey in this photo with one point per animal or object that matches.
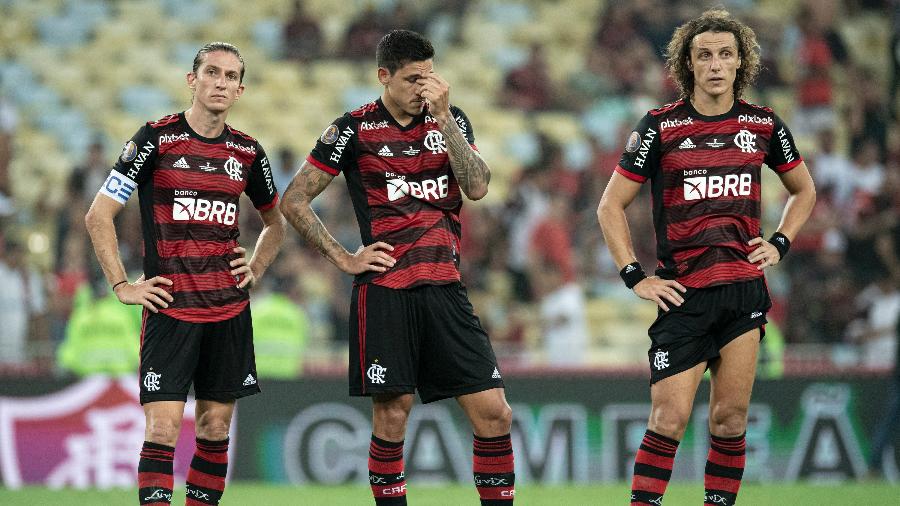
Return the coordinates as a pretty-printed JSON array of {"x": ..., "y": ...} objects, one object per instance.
[
  {"x": 250, "y": 380},
  {"x": 687, "y": 144},
  {"x": 496, "y": 374},
  {"x": 181, "y": 164},
  {"x": 385, "y": 151}
]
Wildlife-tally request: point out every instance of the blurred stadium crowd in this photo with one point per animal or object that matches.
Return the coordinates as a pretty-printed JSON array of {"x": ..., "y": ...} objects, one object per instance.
[{"x": 553, "y": 89}]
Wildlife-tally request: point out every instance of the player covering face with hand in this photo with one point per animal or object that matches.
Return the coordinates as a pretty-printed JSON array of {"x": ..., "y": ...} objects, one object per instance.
[{"x": 408, "y": 158}]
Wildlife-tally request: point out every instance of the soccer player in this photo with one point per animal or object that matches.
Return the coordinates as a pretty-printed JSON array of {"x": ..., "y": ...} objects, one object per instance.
[
  {"x": 702, "y": 155},
  {"x": 408, "y": 158},
  {"x": 190, "y": 169}
]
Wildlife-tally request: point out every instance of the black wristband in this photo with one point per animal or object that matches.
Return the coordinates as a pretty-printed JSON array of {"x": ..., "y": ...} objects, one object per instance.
[
  {"x": 119, "y": 283},
  {"x": 781, "y": 243},
  {"x": 632, "y": 274}
]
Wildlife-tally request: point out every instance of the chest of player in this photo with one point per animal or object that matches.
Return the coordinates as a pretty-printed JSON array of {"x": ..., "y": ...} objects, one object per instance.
[
  {"x": 221, "y": 168},
  {"x": 383, "y": 146}
]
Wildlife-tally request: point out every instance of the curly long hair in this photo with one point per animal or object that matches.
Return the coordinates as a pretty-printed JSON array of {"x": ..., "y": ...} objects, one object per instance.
[{"x": 678, "y": 52}]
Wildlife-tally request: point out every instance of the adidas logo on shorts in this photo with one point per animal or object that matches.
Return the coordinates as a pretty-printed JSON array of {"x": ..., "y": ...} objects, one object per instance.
[
  {"x": 496, "y": 374},
  {"x": 250, "y": 380},
  {"x": 181, "y": 164}
]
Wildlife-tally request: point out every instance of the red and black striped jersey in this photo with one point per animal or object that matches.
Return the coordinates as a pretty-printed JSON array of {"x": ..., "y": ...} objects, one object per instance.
[
  {"x": 705, "y": 174},
  {"x": 402, "y": 188},
  {"x": 189, "y": 189}
]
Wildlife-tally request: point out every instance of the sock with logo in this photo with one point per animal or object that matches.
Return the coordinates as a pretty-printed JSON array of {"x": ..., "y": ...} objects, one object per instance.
[
  {"x": 724, "y": 469},
  {"x": 652, "y": 468},
  {"x": 494, "y": 470},
  {"x": 386, "y": 472},
  {"x": 155, "y": 474},
  {"x": 206, "y": 477}
]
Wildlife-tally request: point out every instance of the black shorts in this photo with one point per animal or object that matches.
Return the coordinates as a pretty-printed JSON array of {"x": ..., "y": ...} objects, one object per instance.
[
  {"x": 217, "y": 357},
  {"x": 709, "y": 319},
  {"x": 426, "y": 338}
]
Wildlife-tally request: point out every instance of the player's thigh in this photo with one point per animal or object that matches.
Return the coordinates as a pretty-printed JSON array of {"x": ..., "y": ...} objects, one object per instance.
[
  {"x": 383, "y": 341},
  {"x": 170, "y": 350},
  {"x": 682, "y": 337},
  {"x": 226, "y": 369},
  {"x": 672, "y": 400},
  {"x": 732, "y": 377},
  {"x": 456, "y": 357}
]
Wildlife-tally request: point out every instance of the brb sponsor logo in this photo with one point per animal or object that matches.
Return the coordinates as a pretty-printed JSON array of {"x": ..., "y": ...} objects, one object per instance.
[
  {"x": 672, "y": 123},
  {"x": 710, "y": 187},
  {"x": 167, "y": 139},
  {"x": 429, "y": 189},
  {"x": 754, "y": 119},
  {"x": 187, "y": 207}
]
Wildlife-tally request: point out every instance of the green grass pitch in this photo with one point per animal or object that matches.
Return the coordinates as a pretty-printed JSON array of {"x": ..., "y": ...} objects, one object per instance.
[{"x": 241, "y": 494}]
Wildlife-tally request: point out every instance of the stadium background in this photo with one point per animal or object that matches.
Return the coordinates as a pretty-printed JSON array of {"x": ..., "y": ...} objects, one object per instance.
[{"x": 552, "y": 89}]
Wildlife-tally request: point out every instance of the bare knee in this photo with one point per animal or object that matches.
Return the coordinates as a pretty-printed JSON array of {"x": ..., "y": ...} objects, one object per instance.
[
  {"x": 163, "y": 430},
  {"x": 389, "y": 416},
  {"x": 212, "y": 428},
  {"x": 669, "y": 421},
  {"x": 727, "y": 420},
  {"x": 493, "y": 421}
]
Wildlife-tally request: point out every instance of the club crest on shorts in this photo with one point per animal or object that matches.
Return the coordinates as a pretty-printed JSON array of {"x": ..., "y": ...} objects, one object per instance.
[
  {"x": 151, "y": 381},
  {"x": 661, "y": 360},
  {"x": 376, "y": 374}
]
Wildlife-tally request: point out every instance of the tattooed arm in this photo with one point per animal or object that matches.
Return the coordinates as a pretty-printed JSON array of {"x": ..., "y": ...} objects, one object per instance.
[
  {"x": 307, "y": 184},
  {"x": 471, "y": 171}
]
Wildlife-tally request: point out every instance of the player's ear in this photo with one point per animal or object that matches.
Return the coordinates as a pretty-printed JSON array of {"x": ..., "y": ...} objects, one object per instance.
[
  {"x": 383, "y": 76},
  {"x": 239, "y": 92},
  {"x": 191, "y": 78}
]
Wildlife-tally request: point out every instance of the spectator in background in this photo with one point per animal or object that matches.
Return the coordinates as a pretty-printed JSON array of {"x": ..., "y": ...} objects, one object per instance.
[
  {"x": 833, "y": 170},
  {"x": 869, "y": 117},
  {"x": 301, "y": 36},
  {"x": 363, "y": 35},
  {"x": 22, "y": 299},
  {"x": 529, "y": 87},
  {"x": 819, "y": 50},
  {"x": 9, "y": 121}
]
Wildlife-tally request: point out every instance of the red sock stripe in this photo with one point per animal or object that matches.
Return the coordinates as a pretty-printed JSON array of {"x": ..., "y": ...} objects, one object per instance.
[
  {"x": 161, "y": 480},
  {"x": 719, "y": 483},
  {"x": 495, "y": 446},
  {"x": 658, "y": 445},
  {"x": 726, "y": 460},
  {"x": 157, "y": 455},
  {"x": 215, "y": 458},
  {"x": 385, "y": 453},
  {"x": 652, "y": 459},
  {"x": 391, "y": 467},
  {"x": 204, "y": 480},
  {"x": 649, "y": 484},
  {"x": 193, "y": 502},
  {"x": 213, "y": 447},
  {"x": 493, "y": 465}
]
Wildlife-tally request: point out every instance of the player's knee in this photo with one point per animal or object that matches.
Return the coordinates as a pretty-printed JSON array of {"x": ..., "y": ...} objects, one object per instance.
[
  {"x": 163, "y": 431},
  {"x": 212, "y": 429},
  {"x": 391, "y": 419},
  {"x": 727, "y": 421},
  {"x": 669, "y": 422},
  {"x": 495, "y": 421}
]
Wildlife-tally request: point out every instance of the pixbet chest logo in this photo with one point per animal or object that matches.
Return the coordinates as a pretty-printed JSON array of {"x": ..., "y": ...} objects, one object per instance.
[
  {"x": 428, "y": 189},
  {"x": 186, "y": 207},
  {"x": 710, "y": 187},
  {"x": 672, "y": 123}
]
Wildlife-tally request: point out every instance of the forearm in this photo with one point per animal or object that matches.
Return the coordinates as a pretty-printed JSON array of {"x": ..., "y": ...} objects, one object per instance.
[
  {"x": 267, "y": 246},
  {"x": 301, "y": 216},
  {"x": 106, "y": 246},
  {"x": 797, "y": 210},
  {"x": 471, "y": 171},
  {"x": 617, "y": 235}
]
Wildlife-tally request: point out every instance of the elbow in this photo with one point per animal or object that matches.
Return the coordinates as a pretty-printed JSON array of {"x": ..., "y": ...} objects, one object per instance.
[
  {"x": 477, "y": 193},
  {"x": 286, "y": 208}
]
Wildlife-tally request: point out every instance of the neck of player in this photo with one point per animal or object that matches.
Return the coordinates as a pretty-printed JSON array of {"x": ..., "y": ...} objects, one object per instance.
[
  {"x": 711, "y": 105},
  {"x": 205, "y": 122},
  {"x": 402, "y": 117}
]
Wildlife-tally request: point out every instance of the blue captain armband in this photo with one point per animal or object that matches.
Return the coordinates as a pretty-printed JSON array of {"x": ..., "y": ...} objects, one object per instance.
[{"x": 118, "y": 187}]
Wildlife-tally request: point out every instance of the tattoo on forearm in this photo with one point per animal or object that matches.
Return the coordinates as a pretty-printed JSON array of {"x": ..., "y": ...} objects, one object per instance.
[
  {"x": 471, "y": 171},
  {"x": 298, "y": 197}
]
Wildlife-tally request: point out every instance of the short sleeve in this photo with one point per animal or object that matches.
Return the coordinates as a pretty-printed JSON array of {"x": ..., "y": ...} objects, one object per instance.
[
  {"x": 335, "y": 150},
  {"x": 133, "y": 167},
  {"x": 260, "y": 185},
  {"x": 640, "y": 159},
  {"x": 464, "y": 124},
  {"x": 783, "y": 154}
]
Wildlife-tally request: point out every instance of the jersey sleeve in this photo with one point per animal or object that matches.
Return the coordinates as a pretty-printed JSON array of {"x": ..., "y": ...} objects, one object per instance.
[
  {"x": 260, "y": 184},
  {"x": 464, "y": 124},
  {"x": 335, "y": 150},
  {"x": 641, "y": 156},
  {"x": 133, "y": 167},
  {"x": 783, "y": 154}
]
